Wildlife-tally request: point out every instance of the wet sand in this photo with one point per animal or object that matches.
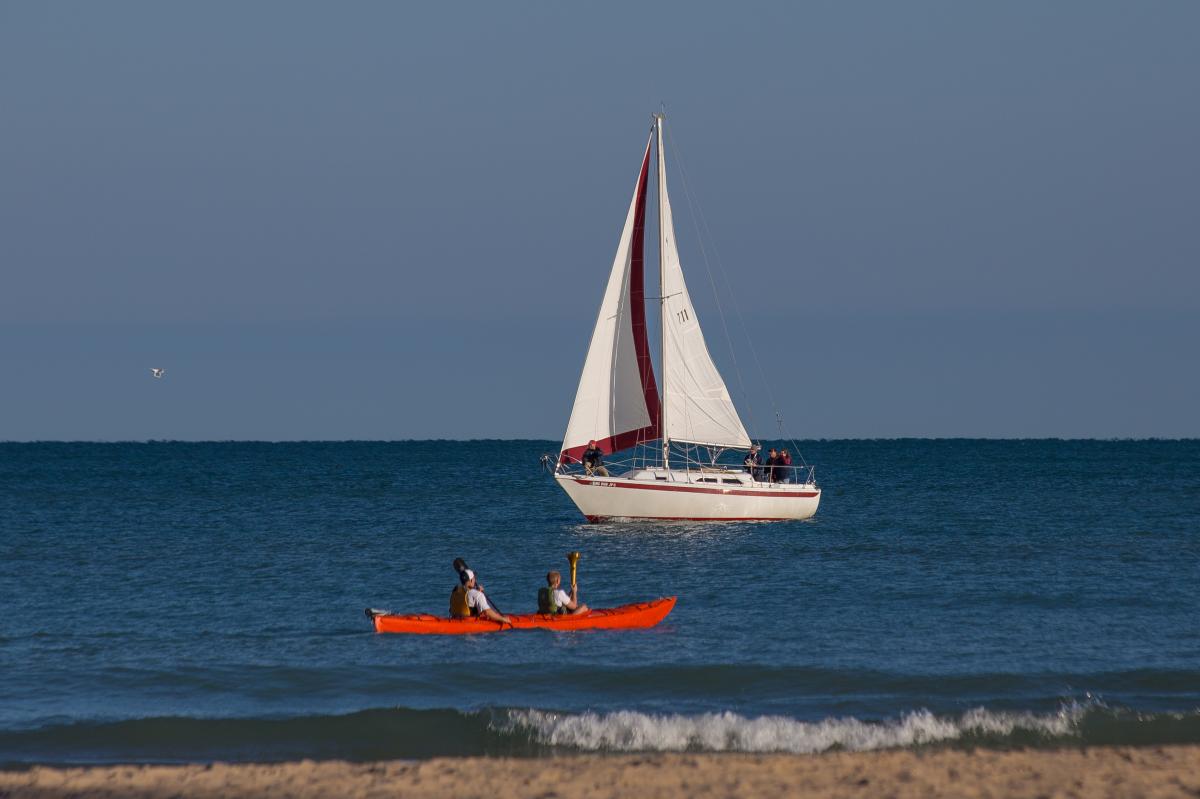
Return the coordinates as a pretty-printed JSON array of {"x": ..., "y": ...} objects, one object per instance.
[{"x": 1169, "y": 771}]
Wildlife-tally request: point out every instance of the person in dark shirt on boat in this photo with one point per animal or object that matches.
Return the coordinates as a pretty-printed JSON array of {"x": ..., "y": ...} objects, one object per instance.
[
  {"x": 753, "y": 463},
  {"x": 554, "y": 600},
  {"x": 772, "y": 462},
  {"x": 785, "y": 460},
  {"x": 467, "y": 600},
  {"x": 593, "y": 460}
]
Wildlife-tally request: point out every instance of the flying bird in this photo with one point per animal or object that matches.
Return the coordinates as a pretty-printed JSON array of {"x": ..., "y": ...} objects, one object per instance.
[{"x": 157, "y": 372}]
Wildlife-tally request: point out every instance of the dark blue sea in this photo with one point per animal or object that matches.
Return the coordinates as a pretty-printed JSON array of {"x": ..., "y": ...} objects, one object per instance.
[{"x": 172, "y": 601}]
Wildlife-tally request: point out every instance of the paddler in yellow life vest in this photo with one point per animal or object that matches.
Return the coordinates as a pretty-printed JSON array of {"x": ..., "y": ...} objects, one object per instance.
[
  {"x": 554, "y": 600},
  {"x": 467, "y": 600}
]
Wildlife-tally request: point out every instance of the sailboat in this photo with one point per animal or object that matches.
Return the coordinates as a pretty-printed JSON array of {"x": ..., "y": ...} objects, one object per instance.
[{"x": 687, "y": 428}]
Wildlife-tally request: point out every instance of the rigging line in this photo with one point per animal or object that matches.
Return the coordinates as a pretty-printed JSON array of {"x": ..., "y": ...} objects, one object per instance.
[
  {"x": 679, "y": 159},
  {"x": 733, "y": 298}
]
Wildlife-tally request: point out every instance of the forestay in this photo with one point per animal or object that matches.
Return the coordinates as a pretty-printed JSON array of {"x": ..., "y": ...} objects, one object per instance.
[{"x": 698, "y": 407}]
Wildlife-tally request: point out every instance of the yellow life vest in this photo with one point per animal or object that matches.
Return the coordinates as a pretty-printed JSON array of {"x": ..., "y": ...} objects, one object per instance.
[{"x": 459, "y": 609}]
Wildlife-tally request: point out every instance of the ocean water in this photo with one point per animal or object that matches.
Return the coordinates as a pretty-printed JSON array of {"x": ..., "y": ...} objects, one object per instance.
[{"x": 196, "y": 601}]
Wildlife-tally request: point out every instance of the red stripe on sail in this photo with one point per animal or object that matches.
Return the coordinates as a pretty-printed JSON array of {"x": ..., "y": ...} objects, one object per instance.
[
  {"x": 641, "y": 340},
  {"x": 637, "y": 316}
]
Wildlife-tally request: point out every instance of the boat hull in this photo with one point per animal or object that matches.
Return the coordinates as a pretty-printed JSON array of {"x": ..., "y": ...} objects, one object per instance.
[
  {"x": 614, "y": 498},
  {"x": 625, "y": 617}
]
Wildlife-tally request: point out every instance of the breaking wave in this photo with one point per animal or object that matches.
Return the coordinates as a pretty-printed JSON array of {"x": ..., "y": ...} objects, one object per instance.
[
  {"x": 627, "y": 731},
  {"x": 405, "y": 733}
]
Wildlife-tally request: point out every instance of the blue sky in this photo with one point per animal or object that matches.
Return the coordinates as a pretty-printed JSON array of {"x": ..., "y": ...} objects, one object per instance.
[{"x": 379, "y": 220}]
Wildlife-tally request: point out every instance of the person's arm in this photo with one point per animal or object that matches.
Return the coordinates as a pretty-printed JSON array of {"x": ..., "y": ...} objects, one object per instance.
[
  {"x": 573, "y": 604},
  {"x": 485, "y": 608},
  {"x": 492, "y": 615}
]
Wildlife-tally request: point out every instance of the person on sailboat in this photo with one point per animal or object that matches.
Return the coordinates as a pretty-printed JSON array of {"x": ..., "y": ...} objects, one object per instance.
[
  {"x": 554, "y": 600},
  {"x": 772, "y": 462},
  {"x": 785, "y": 460},
  {"x": 593, "y": 460},
  {"x": 753, "y": 463},
  {"x": 467, "y": 600}
]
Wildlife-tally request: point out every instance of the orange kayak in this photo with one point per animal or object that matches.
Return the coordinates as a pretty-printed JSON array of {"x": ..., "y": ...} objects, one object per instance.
[{"x": 625, "y": 617}]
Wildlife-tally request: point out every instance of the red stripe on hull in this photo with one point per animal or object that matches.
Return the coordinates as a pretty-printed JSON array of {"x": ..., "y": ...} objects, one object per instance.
[
  {"x": 698, "y": 490},
  {"x": 600, "y": 519}
]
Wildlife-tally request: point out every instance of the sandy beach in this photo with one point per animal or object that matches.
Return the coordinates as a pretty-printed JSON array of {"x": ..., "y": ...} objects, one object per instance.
[{"x": 1093, "y": 772}]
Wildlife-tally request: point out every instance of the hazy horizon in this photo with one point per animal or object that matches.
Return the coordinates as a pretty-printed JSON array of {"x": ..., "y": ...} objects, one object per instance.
[{"x": 555, "y": 440}]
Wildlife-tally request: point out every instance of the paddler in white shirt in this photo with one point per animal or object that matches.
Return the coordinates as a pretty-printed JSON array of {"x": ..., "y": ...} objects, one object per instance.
[
  {"x": 554, "y": 600},
  {"x": 468, "y": 600}
]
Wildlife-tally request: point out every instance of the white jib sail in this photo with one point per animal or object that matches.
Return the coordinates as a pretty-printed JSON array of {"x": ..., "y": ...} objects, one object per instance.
[
  {"x": 698, "y": 407},
  {"x": 611, "y": 400}
]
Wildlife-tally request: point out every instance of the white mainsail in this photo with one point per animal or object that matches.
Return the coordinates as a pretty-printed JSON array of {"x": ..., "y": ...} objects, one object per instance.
[
  {"x": 698, "y": 407},
  {"x": 617, "y": 400}
]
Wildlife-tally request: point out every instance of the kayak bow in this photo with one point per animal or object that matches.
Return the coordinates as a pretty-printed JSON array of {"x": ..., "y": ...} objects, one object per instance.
[{"x": 625, "y": 617}]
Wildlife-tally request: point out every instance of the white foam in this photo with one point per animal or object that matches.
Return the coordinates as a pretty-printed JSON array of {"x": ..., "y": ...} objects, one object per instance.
[{"x": 627, "y": 731}]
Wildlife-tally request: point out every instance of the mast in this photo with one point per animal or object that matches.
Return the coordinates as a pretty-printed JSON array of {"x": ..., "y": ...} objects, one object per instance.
[{"x": 662, "y": 300}]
